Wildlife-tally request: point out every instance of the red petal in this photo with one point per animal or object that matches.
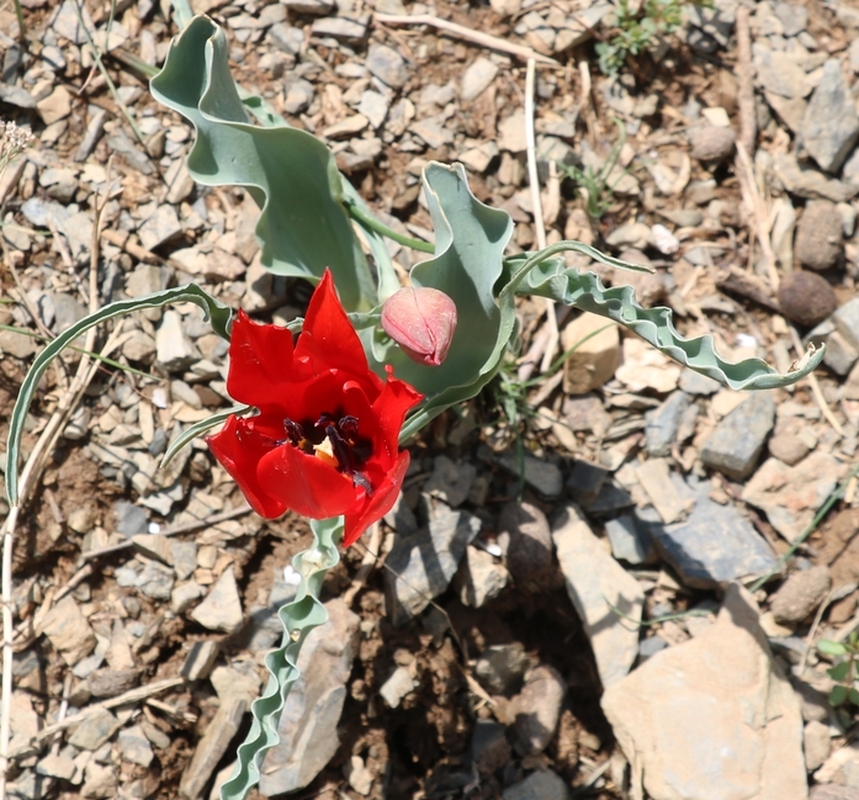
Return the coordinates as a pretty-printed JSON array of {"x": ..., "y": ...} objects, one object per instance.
[
  {"x": 328, "y": 338},
  {"x": 239, "y": 449},
  {"x": 305, "y": 483},
  {"x": 378, "y": 504},
  {"x": 260, "y": 362},
  {"x": 391, "y": 407}
]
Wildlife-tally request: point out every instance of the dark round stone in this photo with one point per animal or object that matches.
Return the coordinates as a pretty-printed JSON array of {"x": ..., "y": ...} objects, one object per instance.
[{"x": 806, "y": 298}]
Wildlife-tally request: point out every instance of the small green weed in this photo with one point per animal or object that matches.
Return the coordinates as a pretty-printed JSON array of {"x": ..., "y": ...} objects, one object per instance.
[
  {"x": 638, "y": 25},
  {"x": 594, "y": 185},
  {"x": 844, "y": 672}
]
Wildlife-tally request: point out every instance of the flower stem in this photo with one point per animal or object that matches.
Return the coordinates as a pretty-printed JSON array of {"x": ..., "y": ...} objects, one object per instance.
[{"x": 371, "y": 222}]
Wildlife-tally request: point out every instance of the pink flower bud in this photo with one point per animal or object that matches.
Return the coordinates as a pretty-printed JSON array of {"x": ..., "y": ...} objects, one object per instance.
[{"x": 421, "y": 321}]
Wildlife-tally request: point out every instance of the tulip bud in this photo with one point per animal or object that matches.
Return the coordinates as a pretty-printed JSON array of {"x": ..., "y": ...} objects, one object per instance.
[{"x": 421, "y": 321}]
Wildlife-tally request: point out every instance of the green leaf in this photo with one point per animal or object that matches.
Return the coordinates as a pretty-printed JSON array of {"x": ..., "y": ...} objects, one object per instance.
[
  {"x": 215, "y": 311},
  {"x": 291, "y": 175},
  {"x": 853, "y": 696},
  {"x": 839, "y": 672},
  {"x": 831, "y": 648},
  {"x": 298, "y": 617},
  {"x": 198, "y": 429},
  {"x": 550, "y": 277},
  {"x": 838, "y": 695},
  {"x": 470, "y": 242}
]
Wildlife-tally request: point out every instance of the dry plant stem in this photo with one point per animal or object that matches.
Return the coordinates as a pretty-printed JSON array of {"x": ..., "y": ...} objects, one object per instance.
[
  {"x": 467, "y": 34},
  {"x": 129, "y": 697},
  {"x": 745, "y": 92},
  {"x": 754, "y": 201},
  {"x": 814, "y": 626}
]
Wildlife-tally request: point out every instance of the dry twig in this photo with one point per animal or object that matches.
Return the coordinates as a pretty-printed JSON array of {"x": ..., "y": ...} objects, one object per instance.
[{"x": 745, "y": 92}]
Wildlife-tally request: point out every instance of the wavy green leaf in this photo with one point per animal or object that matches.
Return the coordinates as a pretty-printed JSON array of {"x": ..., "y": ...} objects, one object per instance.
[
  {"x": 299, "y": 617},
  {"x": 548, "y": 276},
  {"x": 291, "y": 175},
  {"x": 215, "y": 312}
]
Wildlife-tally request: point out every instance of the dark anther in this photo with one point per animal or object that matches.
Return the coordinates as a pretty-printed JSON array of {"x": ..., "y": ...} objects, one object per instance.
[
  {"x": 348, "y": 426},
  {"x": 294, "y": 432}
]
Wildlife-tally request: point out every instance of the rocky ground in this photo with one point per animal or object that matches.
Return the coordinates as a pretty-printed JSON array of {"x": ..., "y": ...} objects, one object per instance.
[{"x": 574, "y": 629}]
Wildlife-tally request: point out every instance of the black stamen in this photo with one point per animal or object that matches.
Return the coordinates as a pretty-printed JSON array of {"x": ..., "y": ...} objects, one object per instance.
[{"x": 294, "y": 432}]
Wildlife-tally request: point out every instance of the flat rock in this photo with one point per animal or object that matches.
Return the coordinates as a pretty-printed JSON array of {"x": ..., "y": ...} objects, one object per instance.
[
  {"x": 480, "y": 577},
  {"x": 791, "y": 496},
  {"x": 540, "y": 785},
  {"x": 451, "y": 481},
  {"x": 800, "y": 595},
  {"x": 733, "y": 448},
  {"x": 94, "y": 730},
  {"x": 174, "y": 349},
  {"x": 711, "y": 142},
  {"x": 387, "y": 65},
  {"x": 714, "y": 546},
  {"x": 135, "y": 746},
  {"x": 477, "y": 78},
  {"x": 422, "y": 566},
  {"x": 526, "y": 539},
  {"x": 537, "y": 708},
  {"x": 542, "y": 475},
  {"x": 69, "y": 631},
  {"x": 817, "y": 744},
  {"x": 805, "y": 181},
  {"x": 111, "y": 682},
  {"x": 713, "y": 717},
  {"x": 222, "y": 608},
  {"x": 778, "y": 72},
  {"x": 160, "y": 226},
  {"x": 308, "y": 724},
  {"x": 594, "y": 580},
  {"x": 831, "y": 125},
  {"x": 628, "y": 541}
]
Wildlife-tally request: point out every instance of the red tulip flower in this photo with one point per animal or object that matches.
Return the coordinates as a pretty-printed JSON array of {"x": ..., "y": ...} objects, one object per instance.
[{"x": 326, "y": 439}]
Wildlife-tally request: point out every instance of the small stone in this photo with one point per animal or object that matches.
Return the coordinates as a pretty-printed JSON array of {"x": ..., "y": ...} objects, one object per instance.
[
  {"x": 793, "y": 18},
  {"x": 477, "y": 78},
  {"x": 733, "y": 448},
  {"x": 481, "y": 577},
  {"x": 787, "y": 448},
  {"x": 68, "y": 630},
  {"x": 817, "y": 744},
  {"x": 597, "y": 356},
  {"x": 94, "y": 730},
  {"x": 662, "y": 425},
  {"x": 831, "y": 125},
  {"x": 542, "y": 475},
  {"x": 298, "y": 96},
  {"x": 511, "y": 133},
  {"x": 175, "y": 351},
  {"x": 537, "y": 709},
  {"x": 155, "y": 546},
  {"x": 451, "y": 481},
  {"x": 526, "y": 539},
  {"x": 712, "y": 142},
  {"x": 398, "y": 686},
  {"x": 222, "y": 608},
  {"x": 57, "y": 765},
  {"x": 360, "y": 778},
  {"x": 501, "y": 667},
  {"x": 351, "y": 31},
  {"x": 387, "y": 65},
  {"x": 595, "y": 582},
  {"x": 804, "y": 181},
  {"x": 183, "y": 557},
  {"x": 159, "y": 227},
  {"x": 100, "y": 781},
  {"x": 628, "y": 542},
  {"x": 800, "y": 595},
  {"x": 111, "y": 682},
  {"x": 185, "y": 595},
  {"x": 819, "y": 235},
  {"x": 695, "y": 383},
  {"x": 56, "y": 106},
  {"x": 156, "y": 581},
  {"x": 806, "y": 298},
  {"x": 540, "y": 785},
  {"x": 317, "y": 7},
  {"x": 345, "y": 128},
  {"x": 135, "y": 746},
  {"x": 200, "y": 660},
  {"x": 846, "y": 320},
  {"x": 374, "y": 106}
]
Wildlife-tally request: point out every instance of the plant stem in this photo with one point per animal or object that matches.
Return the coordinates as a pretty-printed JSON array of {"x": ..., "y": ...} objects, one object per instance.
[
  {"x": 22, "y": 29},
  {"x": 380, "y": 227}
]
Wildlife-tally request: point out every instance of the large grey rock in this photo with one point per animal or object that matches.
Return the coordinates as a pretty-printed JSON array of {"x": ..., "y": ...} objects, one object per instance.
[
  {"x": 308, "y": 724},
  {"x": 713, "y": 717},
  {"x": 422, "y": 566},
  {"x": 733, "y": 448},
  {"x": 714, "y": 546},
  {"x": 831, "y": 124},
  {"x": 595, "y": 582}
]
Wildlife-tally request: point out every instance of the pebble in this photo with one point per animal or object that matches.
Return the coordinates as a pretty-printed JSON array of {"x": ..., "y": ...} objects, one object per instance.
[
  {"x": 481, "y": 577},
  {"x": 135, "y": 746},
  {"x": 830, "y": 127},
  {"x": 597, "y": 355},
  {"x": 308, "y": 725},
  {"x": 714, "y": 546},
  {"x": 800, "y": 595},
  {"x": 788, "y": 448},
  {"x": 846, "y": 320},
  {"x": 537, "y": 709},
  {"x": 56, "y": 106},
  {"x": 94, "y": 730},
  {"x": 387, "y": 65},
  {"x": 734, "y": 446},
  {"x": 501, "y": 667},
  {"x": 804, "y": 181},
  {"x": 477, "y": 77},
  {"x": 817, "y": 744},
  {"x": 298, "y": 95},
  {"x": 451, "y": 482},
  {"x": 346, "y": 30},
  {"x": 185, "y": 595},
  {"x": 201, "y": 660},
  {"x": 175, "y": 351},
  {"x": 542, "y": 475},
  {"x": 422, "y": 566},
  {"x": 222, "y": 608},
  {"x": 111, "y": 682},
  {"x": 540, "y": 785},
  {"x": 806, "y": 298},
  {"x": 819, "y": 235},
  {"x": 650, "y": 646},
  {"x": 161, "y": 225},
  {"x": 68, "y": 631},
  {"x": 695, "y": 383},
  {"x": 593, "y": 581},
  {"x": 374, "y": 106},
  {"x": 526, "y": 540},
  {"x": 711, "y": 143},
  {"x": 360, "y": 778},
  {"x": 662, "y": 424},
  {"x": 156, "y": 581},
  {"x": 57, "y": 765},
  {"x": 684, "y": 717},
  {"x": 399, "y": 684},
  {"x": 628, "y": 542}
]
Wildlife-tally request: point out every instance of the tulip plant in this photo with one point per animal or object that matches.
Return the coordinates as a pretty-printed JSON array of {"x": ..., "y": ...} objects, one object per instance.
[{"x": 325, "y": 405}]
